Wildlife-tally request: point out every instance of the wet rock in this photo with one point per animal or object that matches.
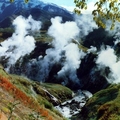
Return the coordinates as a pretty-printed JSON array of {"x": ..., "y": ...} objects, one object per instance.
[{"x": 73, "y": 106}]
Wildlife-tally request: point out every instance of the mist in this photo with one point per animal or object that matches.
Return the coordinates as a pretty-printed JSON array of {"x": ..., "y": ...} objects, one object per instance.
[
  {"x": 64, "y": 51},
  {"x": 108, "y": 58},
  {"x": 86, "y": 24},
  {"x": 21, "y": 42}
]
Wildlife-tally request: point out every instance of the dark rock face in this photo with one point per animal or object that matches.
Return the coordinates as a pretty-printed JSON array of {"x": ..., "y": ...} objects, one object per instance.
[
  {"x": 97, "y": 38},
  {"x": 21, "y": 66},
  {"x": 102, "y": 105},
  {"x": 39, "y": 49},
  {"x": 38, "y": 10},
  {"x": 91, "y": 78},
  {"x": 74, "y": 106}
]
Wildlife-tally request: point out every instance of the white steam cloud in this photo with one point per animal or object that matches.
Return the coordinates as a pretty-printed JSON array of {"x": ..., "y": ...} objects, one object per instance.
[
  {"x": 107, "y": 58},
  {"x": 86, "y": 24},
  {"x": 64, "y": 51},
  {"x": 63, "y": 34},
  {"x": 72, "y": 62},
  {"x": 21, "y": 43}
]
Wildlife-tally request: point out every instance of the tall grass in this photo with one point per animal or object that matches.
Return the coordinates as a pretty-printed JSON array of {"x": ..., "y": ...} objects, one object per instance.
[{"x": 20, "y": 95}]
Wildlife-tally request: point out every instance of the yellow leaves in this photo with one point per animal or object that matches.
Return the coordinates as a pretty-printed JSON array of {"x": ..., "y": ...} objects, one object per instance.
[
  {"x": 111, "y": 5},
  {"x": 108, "y": 12},
  {"x": 96, "y": 3},
  {"x": 112, "y": 26},
  {"x": 115, "y": 9},
  {"x": 80, "y": 4},
  {"x": 75, "y": 1},
  {"x": 11, "y": 1},
  {"x": 113, "y": 0},
  {"x": 77, "y": 11},
  {"x": 118, "y": 19},
  {"x": 105, "y": 10},
  {"x": 94, "y": 12},
  {"x": 26, "y": 1},
  {"x": 99, "y": 22}
]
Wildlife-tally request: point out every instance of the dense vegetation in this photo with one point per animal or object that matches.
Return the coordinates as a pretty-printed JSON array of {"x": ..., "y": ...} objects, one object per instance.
[
  {"x": 104, "y": 105},
  {"x": 30, "y": 96}
]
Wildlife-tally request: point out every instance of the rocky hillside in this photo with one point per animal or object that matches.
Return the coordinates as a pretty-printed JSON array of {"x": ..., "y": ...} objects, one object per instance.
[
  {"x": 38, "y": 9},
  {"x": 53, "y": 59},
  {"x": 21, "y": 98},
  {"x": 104, "y": 105}
]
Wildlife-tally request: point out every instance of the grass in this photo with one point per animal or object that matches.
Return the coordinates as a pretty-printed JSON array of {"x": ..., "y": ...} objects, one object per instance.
[
  {"x": 104, "y": 105},
  {"x": 33, "y": 89},
  {"x": 61, "y": 92},
  {"x": 37, "y": 89},
  {"x": 33, "y": 95}
]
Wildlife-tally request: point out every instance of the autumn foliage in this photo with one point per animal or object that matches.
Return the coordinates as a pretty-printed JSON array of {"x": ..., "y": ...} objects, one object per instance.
[{"x": 20, "y": 95}]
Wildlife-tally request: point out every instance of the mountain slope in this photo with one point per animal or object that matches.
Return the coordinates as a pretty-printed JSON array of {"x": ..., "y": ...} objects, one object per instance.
[
  {"x": 24, "y": 99},
  {"x": 38, "y": 9},
  {"x": 104, "y": 105}
]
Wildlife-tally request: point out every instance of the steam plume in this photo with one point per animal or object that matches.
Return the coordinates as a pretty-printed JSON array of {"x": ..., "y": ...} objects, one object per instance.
[
  {"x": 107, "y": 58},
  {"x": 86, "y": 24},
  {"x": 63, "y": 34},
  {"x": 63, "y": 51},
  {"x": 21, "y": 43}
]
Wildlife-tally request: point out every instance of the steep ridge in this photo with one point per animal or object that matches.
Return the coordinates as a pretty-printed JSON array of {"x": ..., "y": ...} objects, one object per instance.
[
  {"x": 104, "y": 105},
  {"x": 91, "y": 74},
  {"x": 21, "y": 101},
  {"x": 38, "y": 9}
]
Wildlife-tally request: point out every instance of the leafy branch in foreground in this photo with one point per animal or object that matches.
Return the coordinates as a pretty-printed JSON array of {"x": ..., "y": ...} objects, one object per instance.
[{"x": 105, "y": 10}]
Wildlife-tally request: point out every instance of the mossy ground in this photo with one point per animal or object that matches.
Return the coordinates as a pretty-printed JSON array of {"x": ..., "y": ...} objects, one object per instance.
[
  {"x": 35, "y": 91},
  {"x": 104, "y": 105}
]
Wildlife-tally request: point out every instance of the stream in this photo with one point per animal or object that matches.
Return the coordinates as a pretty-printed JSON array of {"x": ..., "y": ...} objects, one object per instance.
[{"x": 72, "y": 107}]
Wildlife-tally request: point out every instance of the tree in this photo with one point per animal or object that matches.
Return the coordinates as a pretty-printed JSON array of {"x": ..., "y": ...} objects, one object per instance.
[{"x": 105, "y": 10}]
